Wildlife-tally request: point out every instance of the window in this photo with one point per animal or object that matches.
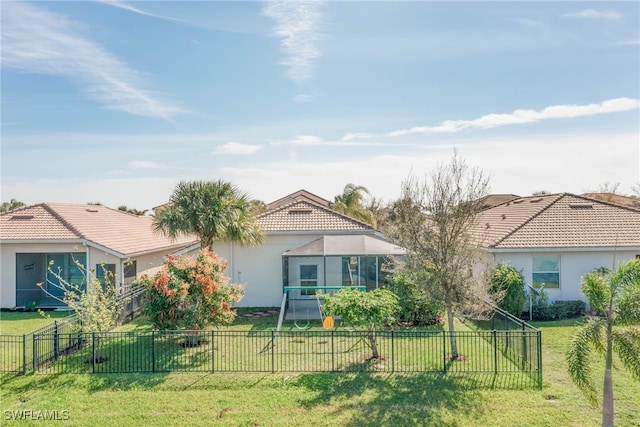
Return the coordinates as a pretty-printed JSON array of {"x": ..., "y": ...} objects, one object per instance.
[
  {"x": 308, "y": 277},
  {"x": 130, "y": 271},
  {"x": 106, "y": 272},
  {"x": 546, "y": 270},
  {"x": 67, "y": 268}
]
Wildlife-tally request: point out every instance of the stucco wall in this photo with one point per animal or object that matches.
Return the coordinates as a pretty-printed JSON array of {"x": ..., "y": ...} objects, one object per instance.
[
  {"x": 573, "y": 265},
  {"x": 260, "y": 269},
  {"x": 148, "y": 263}
]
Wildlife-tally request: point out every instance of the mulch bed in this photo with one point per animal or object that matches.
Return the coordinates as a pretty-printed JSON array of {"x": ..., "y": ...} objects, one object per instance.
[
  {"x": 460, "y": 358},
  {"x": 260, "y": 313}
]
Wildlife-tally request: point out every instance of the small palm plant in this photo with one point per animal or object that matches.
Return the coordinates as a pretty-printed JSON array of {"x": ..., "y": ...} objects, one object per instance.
[{"x": 615, "y": 297}]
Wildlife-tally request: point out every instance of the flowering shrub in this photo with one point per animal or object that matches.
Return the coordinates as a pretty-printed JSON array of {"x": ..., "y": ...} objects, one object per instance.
[{"x": 191, "y": 293}]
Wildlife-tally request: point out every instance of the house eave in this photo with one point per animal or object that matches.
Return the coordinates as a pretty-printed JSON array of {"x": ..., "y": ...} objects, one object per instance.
[{"x": 564, "y": 249}]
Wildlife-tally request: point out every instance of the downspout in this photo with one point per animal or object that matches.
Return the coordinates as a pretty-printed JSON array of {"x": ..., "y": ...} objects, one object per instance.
[
  {"x": 122, "y": 263},
  {"x": 324, "y": 269}
]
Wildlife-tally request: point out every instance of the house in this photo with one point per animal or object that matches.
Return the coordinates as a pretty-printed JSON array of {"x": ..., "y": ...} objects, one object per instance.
[
  {"x": 556, "y": 239},
  {"x": 78, "y": 241},
  {"x": 307, "y": 244}
]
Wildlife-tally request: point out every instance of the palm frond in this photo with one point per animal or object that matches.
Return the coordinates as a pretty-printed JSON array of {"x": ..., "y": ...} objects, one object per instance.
[
  {"x": 626, "y": 342},
  {"x": 578, "y": 359}
]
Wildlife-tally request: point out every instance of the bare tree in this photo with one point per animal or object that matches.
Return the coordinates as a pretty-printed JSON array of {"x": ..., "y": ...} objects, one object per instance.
[{"x": 433, "y": 221}]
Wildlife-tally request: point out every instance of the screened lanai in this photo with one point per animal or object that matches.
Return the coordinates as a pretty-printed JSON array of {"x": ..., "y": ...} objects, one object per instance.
[{"x": 334, "y": 262}]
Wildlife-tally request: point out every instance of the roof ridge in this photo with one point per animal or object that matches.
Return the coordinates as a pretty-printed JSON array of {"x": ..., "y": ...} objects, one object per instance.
[
  {"x": 605, "y": 202},
  {"x": 64, "y": 221},
  {"x": 316, "y": 205},
  {"x": 554, "y": 199}
]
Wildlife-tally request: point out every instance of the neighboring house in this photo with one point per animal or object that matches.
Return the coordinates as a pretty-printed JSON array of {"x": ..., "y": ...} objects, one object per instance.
[
  {"x": 556, "y": 239},
  {"x": 52, "y": 236},
  {"x": 618, "y": 199},
  {"x": 307, "y": 244},
  {"x": 496, "y": 199}
]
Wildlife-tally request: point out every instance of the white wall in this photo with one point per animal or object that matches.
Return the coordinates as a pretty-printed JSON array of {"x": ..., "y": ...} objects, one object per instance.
[
  {"x": 146, "y": 264},
  {"x": 260, "y": 269},
  {"x": 573, "y": 265}
]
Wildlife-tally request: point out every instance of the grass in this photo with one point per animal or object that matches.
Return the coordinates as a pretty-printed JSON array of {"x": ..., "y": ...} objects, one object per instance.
[
  {"x": 24, "y": 322},
  {"x": 352, "y": 399}
]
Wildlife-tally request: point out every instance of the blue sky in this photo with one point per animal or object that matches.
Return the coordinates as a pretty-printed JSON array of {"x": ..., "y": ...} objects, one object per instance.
[{"x": 116, "y": 101}]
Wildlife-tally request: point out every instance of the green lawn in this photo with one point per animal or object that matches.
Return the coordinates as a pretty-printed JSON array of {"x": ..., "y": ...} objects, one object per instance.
[
  {"x": 354, "y": 399},
  {"x": 20, "y": 322}
]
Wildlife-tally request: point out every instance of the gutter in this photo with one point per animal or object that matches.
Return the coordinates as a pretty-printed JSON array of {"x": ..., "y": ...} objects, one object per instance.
[{"x": 565, "y": 249}]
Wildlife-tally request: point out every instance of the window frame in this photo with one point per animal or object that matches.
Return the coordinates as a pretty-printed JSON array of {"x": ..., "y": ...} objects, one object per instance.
[{"x": 537, "y": 284}]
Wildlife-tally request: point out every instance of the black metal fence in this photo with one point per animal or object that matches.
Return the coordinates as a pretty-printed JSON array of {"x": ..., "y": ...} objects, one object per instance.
[
  {"x": 517, "y": 345},
  {"x": 255, "y": 351},
  {"x": 23, "y": 353}
]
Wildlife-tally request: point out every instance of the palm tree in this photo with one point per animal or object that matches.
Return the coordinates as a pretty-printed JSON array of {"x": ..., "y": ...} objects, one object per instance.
[
  {"x": 11, "y": 205},
  {"x": 615, "y": 296},
  {"x": 133, "y": 211},
  {"x": 350, "y": 202},
  {"x": 213, "y": 211}
]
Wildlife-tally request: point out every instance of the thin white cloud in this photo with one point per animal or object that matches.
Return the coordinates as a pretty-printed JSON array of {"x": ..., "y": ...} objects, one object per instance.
[
  {"x": 357, "y": 135},
  {"x": 592, "y": 13},
  {"x": 128, "y": 7},
  {"x": 37, "y": 41},
  {"x": 303, "y": 98},
  {"x": 306, "y": 140},
  {"x": 144, "y": 164},
  {"x": 526, "y": 116},
  {"x": 297, "y": 24},
  {"x": 237, "y": 148}
]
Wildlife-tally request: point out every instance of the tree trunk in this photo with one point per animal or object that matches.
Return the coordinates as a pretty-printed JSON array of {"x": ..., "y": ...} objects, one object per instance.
[
  {"x": 607, "y": 391},
  {"x": 373, "y": 342},
  {"x": 452, "y": 333}
]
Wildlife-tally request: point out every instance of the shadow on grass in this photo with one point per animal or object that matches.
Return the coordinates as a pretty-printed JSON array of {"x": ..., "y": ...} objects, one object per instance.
[{"x": 397, "y": 399}]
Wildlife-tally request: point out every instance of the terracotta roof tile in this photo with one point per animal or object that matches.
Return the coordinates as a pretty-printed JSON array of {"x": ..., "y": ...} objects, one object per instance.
[
  {"x": 555, "y": 221},
  {"x": 305, "y": 216},
  {"x": 117, "y": 230}
]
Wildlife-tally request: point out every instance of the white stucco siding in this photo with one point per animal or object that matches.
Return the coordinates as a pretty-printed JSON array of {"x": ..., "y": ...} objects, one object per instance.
[
  {"x": 260, "y": 269},
  {"x": 573, "y": 266}
]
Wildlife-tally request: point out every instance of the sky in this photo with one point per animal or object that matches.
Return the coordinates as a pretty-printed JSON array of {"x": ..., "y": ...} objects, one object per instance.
[{"x": 116, "y": 102}]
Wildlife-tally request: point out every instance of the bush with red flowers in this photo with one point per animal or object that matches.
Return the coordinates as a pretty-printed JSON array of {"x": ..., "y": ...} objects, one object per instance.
[{"x": 191, "y": 293}]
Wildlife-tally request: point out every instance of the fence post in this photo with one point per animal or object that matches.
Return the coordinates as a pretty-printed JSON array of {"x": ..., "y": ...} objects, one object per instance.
[
  {"x": 393, "y": 359},
  {"x": 539, "y": 345},
  {"x": 24, "y": 354},
  {"x": 525, "y": 353},
  {"x": 153, "y": 351},
  {"x": 444, "y": 351},
  {"x": 56, "y": 342},
  {"x": 333, "y": 351},
  {"x": 273, "y": 353},
  {"x": 34, "y": 351},
  {"x": 495, "y": 352},
  {"x": 93, "y": 352},
  {"x": 212, "y": 349}
]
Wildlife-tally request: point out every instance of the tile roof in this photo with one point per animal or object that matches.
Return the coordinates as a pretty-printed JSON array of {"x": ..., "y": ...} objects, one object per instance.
[
  {"x": 496, "y": 199},
  {"x": 308, "y": 216},
  {"x": 298, "y": 196},
  {"x": 558, "y": 221},
  {"x": 116, "y": 230}
]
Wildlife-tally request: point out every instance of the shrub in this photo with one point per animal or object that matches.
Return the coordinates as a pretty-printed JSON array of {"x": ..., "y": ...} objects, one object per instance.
[
  {"x": 191, "y": 293},
  {"x": 370, "y": 310},
  {"x": 509, "y": 282},
  {"x": 542, "y": 310},
  {"x": 416, "y": 308}
]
